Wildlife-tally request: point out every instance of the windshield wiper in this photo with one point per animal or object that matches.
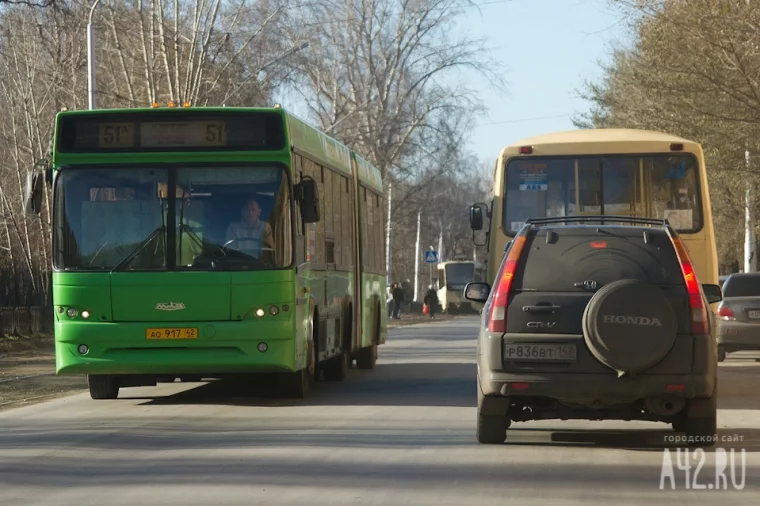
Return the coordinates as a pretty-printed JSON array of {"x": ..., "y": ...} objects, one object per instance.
[{"x": 128, "y": 259}]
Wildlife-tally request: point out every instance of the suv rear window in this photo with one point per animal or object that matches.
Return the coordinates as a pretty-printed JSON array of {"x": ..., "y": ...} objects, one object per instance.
[
  {"x": 742, "y": 285},
  {"x": 574, "y": 255}
]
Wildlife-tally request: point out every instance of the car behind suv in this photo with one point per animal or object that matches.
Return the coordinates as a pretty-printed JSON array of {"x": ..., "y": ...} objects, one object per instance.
[
  {"x": 597, "y": 321},
  {"x": 739, "y": 328}
]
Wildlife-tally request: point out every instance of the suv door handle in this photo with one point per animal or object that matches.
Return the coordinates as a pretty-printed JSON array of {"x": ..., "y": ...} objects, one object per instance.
[{"x": 541, "y": 309}]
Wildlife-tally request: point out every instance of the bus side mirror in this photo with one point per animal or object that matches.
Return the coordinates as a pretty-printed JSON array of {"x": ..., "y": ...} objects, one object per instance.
[
  {"x": 476, "y": 217},
  {"x": 34, "y": 191},
  {"x": 476, "y": 221},
  {"x": 308, "y": 195}
]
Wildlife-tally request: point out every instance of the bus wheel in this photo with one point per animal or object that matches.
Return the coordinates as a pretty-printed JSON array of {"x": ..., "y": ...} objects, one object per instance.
[
  {"x": 367, "y": 357},
  {"x": 295, "y": 385},
  {"x": 103, "y": 387},
  {"x": 336, "y": 369}
]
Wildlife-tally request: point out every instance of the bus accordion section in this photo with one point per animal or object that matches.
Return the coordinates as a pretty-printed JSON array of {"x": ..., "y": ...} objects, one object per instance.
[{"x": 205, "y": 243}]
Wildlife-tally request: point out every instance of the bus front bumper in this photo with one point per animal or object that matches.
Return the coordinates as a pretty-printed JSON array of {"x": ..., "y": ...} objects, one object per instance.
[{"x": 240, "y": 347}]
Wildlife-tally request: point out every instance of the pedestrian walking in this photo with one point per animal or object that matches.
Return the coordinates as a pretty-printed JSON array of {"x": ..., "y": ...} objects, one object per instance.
[{"x": 431, "y": 300}]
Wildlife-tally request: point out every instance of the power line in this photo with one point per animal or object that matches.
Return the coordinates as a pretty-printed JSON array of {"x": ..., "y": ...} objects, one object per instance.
[{"x": 523, "y": 119}]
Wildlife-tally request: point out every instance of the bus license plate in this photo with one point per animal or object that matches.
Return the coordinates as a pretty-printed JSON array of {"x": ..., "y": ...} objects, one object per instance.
[
  {"x": 754, "y": 313},
  {"x": 540, "y": 352},
  {"x": 172, "y": 333}
]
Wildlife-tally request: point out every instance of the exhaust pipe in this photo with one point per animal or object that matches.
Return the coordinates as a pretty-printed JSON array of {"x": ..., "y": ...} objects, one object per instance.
[{"x": 665, "y": 406}]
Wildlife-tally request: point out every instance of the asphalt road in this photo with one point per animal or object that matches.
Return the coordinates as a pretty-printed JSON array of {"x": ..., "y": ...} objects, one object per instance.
[{"x": 401, "y": 434}]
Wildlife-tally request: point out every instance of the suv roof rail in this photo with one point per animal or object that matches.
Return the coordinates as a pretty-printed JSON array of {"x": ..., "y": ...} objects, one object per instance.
[{"x": 599, "y": 218}]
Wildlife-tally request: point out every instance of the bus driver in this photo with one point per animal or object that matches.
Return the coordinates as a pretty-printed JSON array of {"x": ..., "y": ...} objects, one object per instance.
[{"x": 251, "y": 233}]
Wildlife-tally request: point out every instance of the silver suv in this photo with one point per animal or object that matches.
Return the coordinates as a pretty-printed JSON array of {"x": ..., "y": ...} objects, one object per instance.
[{"x": 597, "y": 322}]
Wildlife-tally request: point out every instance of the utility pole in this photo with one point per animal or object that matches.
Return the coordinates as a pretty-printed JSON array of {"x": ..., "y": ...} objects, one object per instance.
[
  {"x": 750, "y": 259},
  {"x": 430, "y": 271},
  {"x": 388, "y": 240},
  {"x": 417, "y": 257},
  {"x": 91, "y": 59}
]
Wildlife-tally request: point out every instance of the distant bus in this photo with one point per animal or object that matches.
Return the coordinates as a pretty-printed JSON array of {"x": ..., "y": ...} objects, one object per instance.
[
  {"x": 205, "y": 242},
  {"x": 602, "y": 172},
  {"x": 453, "y": 276}
]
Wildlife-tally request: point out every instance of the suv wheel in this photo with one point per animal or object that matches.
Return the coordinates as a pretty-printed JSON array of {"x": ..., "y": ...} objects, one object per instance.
[
  {"x": 700, "y": 430},
  {"x": 491, "y": 429}
]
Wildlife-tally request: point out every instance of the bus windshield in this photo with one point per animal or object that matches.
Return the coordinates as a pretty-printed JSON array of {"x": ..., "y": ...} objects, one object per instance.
[
  {"x": 656, "y": 186},
  {"x": 458, "y": 275},
  {"x": 223, "y": 218}
]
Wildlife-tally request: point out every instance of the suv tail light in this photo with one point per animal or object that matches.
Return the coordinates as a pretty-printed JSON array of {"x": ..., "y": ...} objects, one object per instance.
[
  {"x": 497, "y": 315},
  {"x": 699, "y": 322},
  {"x": 725, "y": 312}
]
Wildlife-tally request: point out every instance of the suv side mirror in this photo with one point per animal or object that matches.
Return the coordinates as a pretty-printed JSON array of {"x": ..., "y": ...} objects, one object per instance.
[
  {"x": 713, "y": 293},
  {"x": 477, "y": 292},
  {"x": 308, "y": 195},
  {"x": 34, "y": 190}
]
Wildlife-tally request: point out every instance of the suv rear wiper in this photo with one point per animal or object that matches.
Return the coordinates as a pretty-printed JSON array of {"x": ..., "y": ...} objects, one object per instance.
[{"x": 128, "y": 259}]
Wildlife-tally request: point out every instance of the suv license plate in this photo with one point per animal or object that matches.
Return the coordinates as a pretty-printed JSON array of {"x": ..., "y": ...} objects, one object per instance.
[
  {"x": 754, "y": 313},
  {"x": 540, "y": 352}
]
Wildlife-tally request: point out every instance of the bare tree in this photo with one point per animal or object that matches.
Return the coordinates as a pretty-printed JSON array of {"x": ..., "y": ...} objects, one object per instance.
[
  {"x": 693, "y": 70},
  {"x": 376, "y": 78}
]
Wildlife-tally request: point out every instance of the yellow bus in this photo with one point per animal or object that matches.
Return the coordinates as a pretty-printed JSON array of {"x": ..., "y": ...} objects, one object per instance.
[
  {"x": 619, "y": 172},
  {"x": 453, "y": 276}
]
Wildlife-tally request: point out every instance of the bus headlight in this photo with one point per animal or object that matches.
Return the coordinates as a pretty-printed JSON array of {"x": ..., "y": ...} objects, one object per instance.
[
  {"x": 260, "y": 312},
  {"x": 71, "y": 312},
  {"x": 85, "y": 314},
  {"x": 274, "y": 310}
]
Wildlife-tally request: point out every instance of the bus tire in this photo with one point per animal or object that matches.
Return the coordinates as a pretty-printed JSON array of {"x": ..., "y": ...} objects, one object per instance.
[
  {"x": 336, "y": 369},
  {"x": 102, "y": 387},
  {"x": 366, "y": 358},
  {"x": 295, "y": 385}
]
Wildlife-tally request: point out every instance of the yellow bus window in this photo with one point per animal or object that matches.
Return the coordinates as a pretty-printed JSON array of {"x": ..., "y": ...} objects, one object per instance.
[{"x": 658, "y": 186}]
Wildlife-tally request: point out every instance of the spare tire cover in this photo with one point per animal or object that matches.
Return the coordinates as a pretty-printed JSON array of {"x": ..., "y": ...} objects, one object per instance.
[{"x": 629, "y": 326}]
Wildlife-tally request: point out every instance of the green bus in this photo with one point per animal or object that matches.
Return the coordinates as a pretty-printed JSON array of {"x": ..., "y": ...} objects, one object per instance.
[{"x": 203, "y": 243}]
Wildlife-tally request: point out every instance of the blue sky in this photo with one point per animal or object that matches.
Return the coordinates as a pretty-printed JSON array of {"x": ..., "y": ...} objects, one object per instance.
[{"x": 548, "y": 48}]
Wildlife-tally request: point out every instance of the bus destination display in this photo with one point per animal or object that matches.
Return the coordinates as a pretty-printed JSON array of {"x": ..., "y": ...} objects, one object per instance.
[
  {"x": 149, "y": 133},
  {"x": 163, "y": 134}
]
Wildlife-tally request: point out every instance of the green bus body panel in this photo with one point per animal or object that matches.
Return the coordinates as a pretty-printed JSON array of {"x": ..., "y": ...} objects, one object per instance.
[
  {"x": 325, "y": 149},
  {"x": 368, "y": 175},
  {"x": 228, "y": 328},
  {"x": 220, "y": 305},
  {"x": 204, "y": 295}
]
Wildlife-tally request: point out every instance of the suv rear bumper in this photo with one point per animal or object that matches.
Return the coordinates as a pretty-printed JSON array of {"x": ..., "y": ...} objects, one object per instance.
[{"x": 601, "y": 389}]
